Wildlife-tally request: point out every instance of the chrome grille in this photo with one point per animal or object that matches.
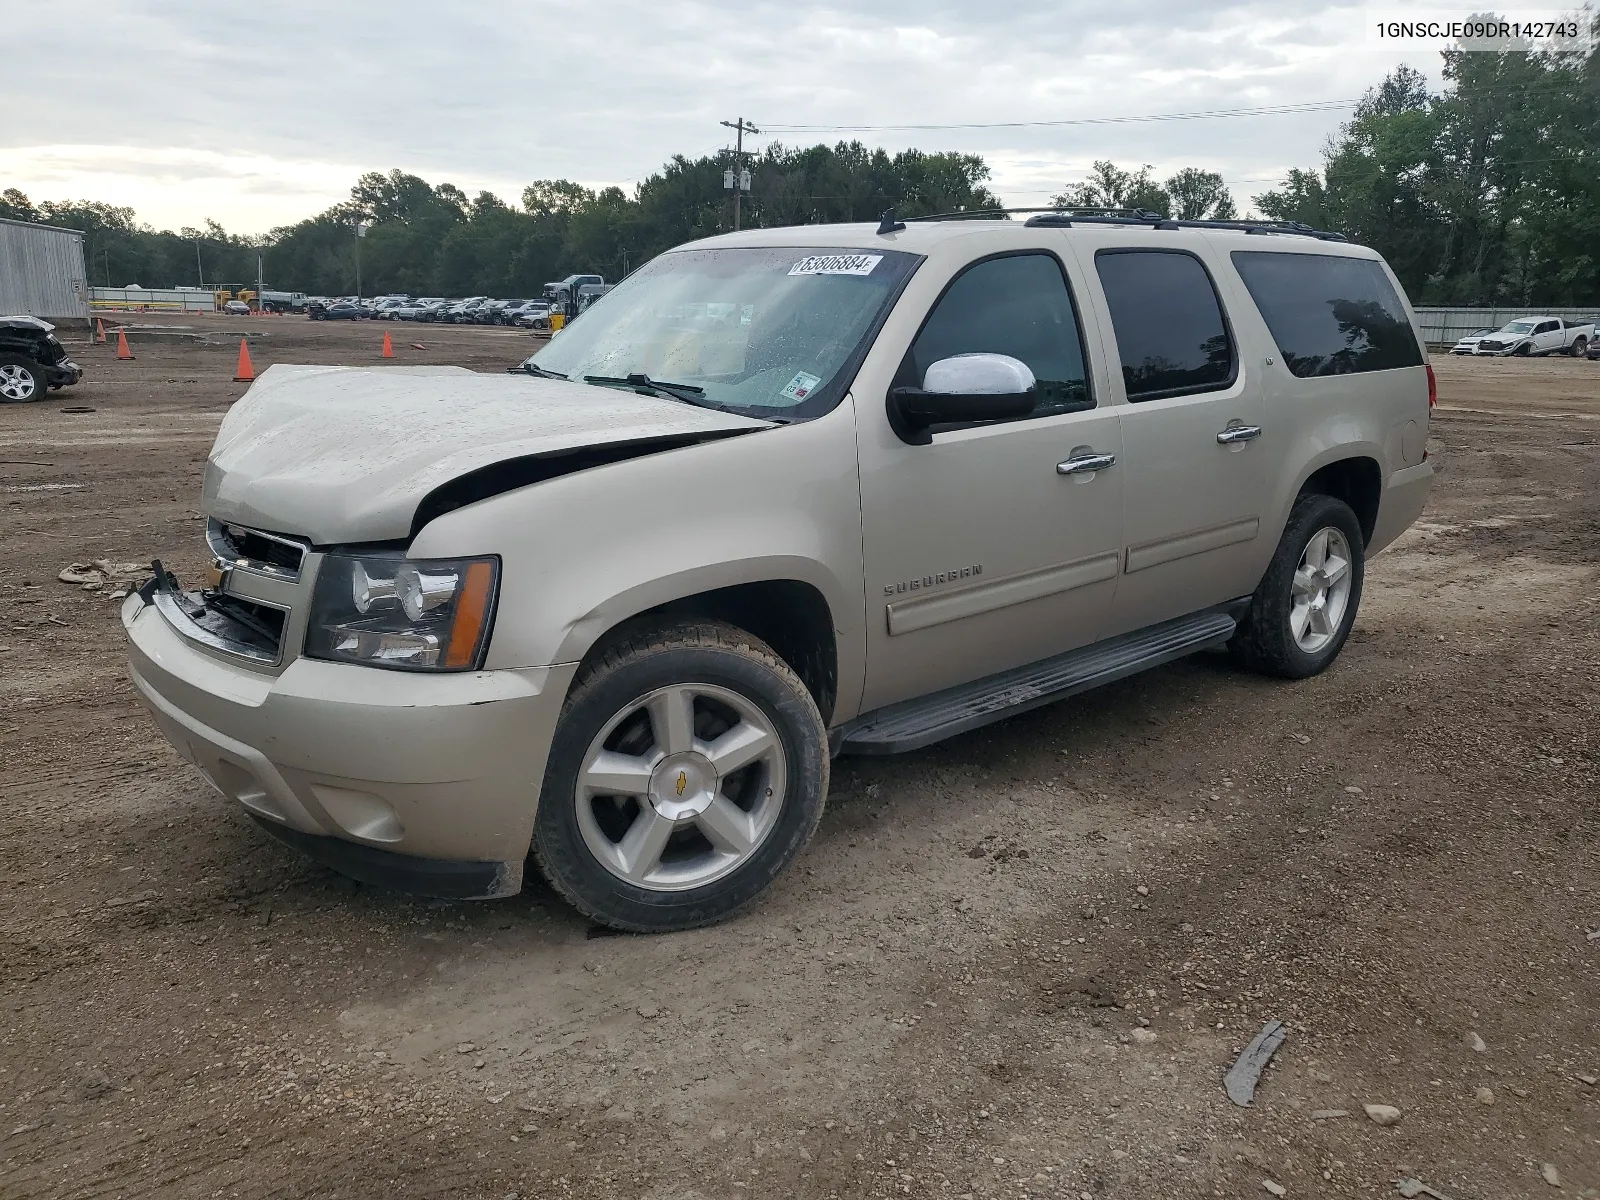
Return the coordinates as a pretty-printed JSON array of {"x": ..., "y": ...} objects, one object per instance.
[{"x": 239, "y": 547}]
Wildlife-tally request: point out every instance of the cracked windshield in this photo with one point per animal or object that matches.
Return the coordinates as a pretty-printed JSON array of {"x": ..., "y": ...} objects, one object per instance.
[{"x": 759, "y": 330}]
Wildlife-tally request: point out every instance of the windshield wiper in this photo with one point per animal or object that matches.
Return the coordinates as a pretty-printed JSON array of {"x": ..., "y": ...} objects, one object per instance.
[
  {"x": 529, "y": 368},
  {"x": 641, "y": 382}
]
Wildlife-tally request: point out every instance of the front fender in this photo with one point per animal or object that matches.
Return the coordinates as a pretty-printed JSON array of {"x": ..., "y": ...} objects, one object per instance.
[{"x": 581, "y": 553}]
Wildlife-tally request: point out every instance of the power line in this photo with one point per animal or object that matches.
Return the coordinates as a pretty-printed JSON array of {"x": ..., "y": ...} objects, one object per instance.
[
  {"x": 1308, "y": 106},
  {"x": 1264, "y": 111}
]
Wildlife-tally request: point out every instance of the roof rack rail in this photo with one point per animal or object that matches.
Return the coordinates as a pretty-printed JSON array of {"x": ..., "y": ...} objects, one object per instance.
[
  {"x": 1066, "y": 217},
  {"x": 980, "y": 214}
]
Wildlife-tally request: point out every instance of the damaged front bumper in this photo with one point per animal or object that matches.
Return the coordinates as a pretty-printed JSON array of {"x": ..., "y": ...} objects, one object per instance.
[
  {"x": 64, "y": 374},
  {"x": 421, "y": 783}
]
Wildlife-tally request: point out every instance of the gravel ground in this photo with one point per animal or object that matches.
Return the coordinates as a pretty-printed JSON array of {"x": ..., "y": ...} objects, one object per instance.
[{"x": 1015, "y": 964}]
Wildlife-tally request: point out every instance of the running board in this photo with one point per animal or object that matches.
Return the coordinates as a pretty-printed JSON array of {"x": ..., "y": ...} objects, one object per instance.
[{"x": 913, "y": 724}]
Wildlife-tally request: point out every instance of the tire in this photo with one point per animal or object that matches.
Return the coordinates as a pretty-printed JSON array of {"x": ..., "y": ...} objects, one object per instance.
[
  {"x": 22, "y": 380},
  {"x": 764, "y": 810},
  {"x": 1280, "y": 633},
  {"x": 1579, "y": 347},
  {"x": 1522, "y": 351}
]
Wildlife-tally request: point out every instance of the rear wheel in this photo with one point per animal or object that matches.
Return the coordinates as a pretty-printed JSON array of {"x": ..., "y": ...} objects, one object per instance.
[
  {"x": 21, "y": 380},
  {"x": 689, "y": 768},
  {"x": 1580, "y": 347},
  {"x": 1303, "y": 609}
]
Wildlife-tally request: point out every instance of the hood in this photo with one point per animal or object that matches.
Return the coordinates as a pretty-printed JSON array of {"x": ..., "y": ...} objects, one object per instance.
[
  {"x": 24, "y": 322},
  {"x": 346, "y": 454}
]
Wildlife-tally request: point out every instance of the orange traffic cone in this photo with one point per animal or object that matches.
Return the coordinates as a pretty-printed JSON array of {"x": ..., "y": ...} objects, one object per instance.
[
  {"x": 99, "y": 331},
  {"x": 245, "y": 372},
  {"x": 122, "y": 345},
  {"x": 388, "y": 346}
]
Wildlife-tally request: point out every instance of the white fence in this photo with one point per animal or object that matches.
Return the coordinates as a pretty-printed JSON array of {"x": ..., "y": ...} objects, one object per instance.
[
  {"x": 180, "y": 300},
  {"x": 1447, "y": 326}
]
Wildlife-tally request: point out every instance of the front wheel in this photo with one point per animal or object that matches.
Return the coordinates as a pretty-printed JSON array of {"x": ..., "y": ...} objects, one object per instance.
[
  {"x": 688, "y": 769},
  {"x": 21, "y": 380},
  {"x": 1305, "y": 605}
]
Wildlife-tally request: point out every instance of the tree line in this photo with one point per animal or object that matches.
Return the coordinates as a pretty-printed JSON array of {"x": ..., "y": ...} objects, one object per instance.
[
  {"x": 1486, "y": 191},
  {"x": 433, "y": 239}
]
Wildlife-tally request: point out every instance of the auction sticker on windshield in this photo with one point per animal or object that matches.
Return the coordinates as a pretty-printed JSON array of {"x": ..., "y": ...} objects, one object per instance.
[
  {"x": 836, "y": 264},
  {"x": 800, "y": 386}
]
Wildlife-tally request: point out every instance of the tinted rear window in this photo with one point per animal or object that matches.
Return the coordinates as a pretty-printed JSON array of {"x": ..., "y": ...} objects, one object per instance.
[
  {"x": 1171, "y": 335},
  {"x": 1329, "y": 315}
]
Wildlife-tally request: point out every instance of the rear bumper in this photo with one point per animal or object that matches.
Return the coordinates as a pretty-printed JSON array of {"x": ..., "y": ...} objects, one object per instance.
[
  {"x": 1404, "y": 497},
  {"x": 427, "y": 783}
]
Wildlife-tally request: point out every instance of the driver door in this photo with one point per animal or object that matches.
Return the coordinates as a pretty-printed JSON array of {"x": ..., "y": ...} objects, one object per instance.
[{"x": 981, "y": 553}]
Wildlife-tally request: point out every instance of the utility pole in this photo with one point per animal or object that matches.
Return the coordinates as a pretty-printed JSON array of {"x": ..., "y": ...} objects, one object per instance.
[
  {"x": 199, "y": 272},
  {"x": 261, "y": 304},
  {"x": 740, "y": 175}
]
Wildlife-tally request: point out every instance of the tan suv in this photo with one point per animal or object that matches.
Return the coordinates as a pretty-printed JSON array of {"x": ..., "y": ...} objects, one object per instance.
[{"x": 781, "y": 495}]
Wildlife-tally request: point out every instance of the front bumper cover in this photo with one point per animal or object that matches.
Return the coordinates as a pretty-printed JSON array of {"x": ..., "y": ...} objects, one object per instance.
[
  {"x": 413, "y": 781},
  {"x": 64, "y": 374}
]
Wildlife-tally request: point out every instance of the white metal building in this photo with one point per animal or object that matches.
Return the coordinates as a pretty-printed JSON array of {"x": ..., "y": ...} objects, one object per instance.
[{"x": 42, "y": 272}]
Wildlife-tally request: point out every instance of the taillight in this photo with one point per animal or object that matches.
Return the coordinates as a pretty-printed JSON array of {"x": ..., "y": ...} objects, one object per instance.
[{"x": 1433, "y": 387}]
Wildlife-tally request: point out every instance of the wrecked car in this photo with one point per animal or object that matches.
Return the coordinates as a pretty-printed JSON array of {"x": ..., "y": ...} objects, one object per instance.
[
  {"x": 32, "y": 360},
  {"x": 783, "y": 494}
]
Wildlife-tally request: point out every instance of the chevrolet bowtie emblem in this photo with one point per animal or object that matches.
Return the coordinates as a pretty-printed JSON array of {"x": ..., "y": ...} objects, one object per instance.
[{"x": 683, "y": 781}]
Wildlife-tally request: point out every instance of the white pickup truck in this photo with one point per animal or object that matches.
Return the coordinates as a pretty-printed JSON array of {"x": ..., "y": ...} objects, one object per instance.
[{"x": 1531, "y": 336}]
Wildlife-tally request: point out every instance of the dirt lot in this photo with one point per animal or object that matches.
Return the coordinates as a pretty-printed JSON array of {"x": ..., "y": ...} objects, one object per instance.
[{"x": 1016, "y": 964}]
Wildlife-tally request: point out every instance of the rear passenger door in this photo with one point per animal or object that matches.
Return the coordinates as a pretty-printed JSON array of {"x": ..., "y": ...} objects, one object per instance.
[
  {"x": 1547, "y": 336},
  {"x": 1194, "y": 434}
]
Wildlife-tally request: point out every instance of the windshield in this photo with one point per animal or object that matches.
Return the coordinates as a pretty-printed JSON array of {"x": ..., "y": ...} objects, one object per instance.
[
  {"x": 768, "y": 331},
  {"x": 1519, "y": 327}
]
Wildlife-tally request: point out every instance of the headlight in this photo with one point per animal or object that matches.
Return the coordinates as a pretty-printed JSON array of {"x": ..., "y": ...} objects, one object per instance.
[{"x": 407, "y": 614}]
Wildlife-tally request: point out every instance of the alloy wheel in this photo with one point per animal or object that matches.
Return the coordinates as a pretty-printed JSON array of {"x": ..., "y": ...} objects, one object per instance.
[
  {"x": 1320, "y": 589},
  {"x": 680, "y": 787},
  {"x": 17, "y": 382}
]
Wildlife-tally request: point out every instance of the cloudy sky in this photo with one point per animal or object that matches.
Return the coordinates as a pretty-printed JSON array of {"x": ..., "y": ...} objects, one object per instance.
[{"x": 259, "y": 114}]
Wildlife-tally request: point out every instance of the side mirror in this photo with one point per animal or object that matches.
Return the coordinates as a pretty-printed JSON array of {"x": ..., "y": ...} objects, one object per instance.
[{"x": 960, "y": 389}]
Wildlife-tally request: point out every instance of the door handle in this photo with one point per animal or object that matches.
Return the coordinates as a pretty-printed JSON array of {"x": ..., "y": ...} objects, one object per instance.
[
  {"x": 1238, "y": 433},
  {"x": 1085, "y": 463}
]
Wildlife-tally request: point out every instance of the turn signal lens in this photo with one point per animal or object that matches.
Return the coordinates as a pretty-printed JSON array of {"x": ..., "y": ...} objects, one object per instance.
[{"x": 471, "y": 616}]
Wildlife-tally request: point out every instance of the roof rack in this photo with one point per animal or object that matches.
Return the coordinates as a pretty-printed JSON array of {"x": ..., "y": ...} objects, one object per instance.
[{"x": 1066, "y": 217}]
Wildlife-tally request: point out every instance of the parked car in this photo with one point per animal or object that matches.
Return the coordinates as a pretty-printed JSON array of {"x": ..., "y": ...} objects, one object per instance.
[
  {"x": 1537, "y": 336},
  {"x": 339, "y": 310},
  {"x": 462, "y": 310},
  {"x": 1592, "y": 351},
  {"x": 32, "y": 360},
  {"x": 531, "y": 314},
  {"x": 1469, "y": 344},
  {"x": 236, "y": 308},
  {"x": 619, "y": 608},
  {"x": 417, "y": 310}
]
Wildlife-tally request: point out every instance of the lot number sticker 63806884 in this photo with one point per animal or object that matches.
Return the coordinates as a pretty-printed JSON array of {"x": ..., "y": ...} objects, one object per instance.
[{"x": 836, "y": 264}]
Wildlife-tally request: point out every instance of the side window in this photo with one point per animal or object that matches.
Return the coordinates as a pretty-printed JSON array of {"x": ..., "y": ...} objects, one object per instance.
[
  {"x": 1548, "y": 326},
  {"x": 1171, "y": 334},
  {"x": 1017, "y": 305},
  {"x": 1329, "y": 315}
]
